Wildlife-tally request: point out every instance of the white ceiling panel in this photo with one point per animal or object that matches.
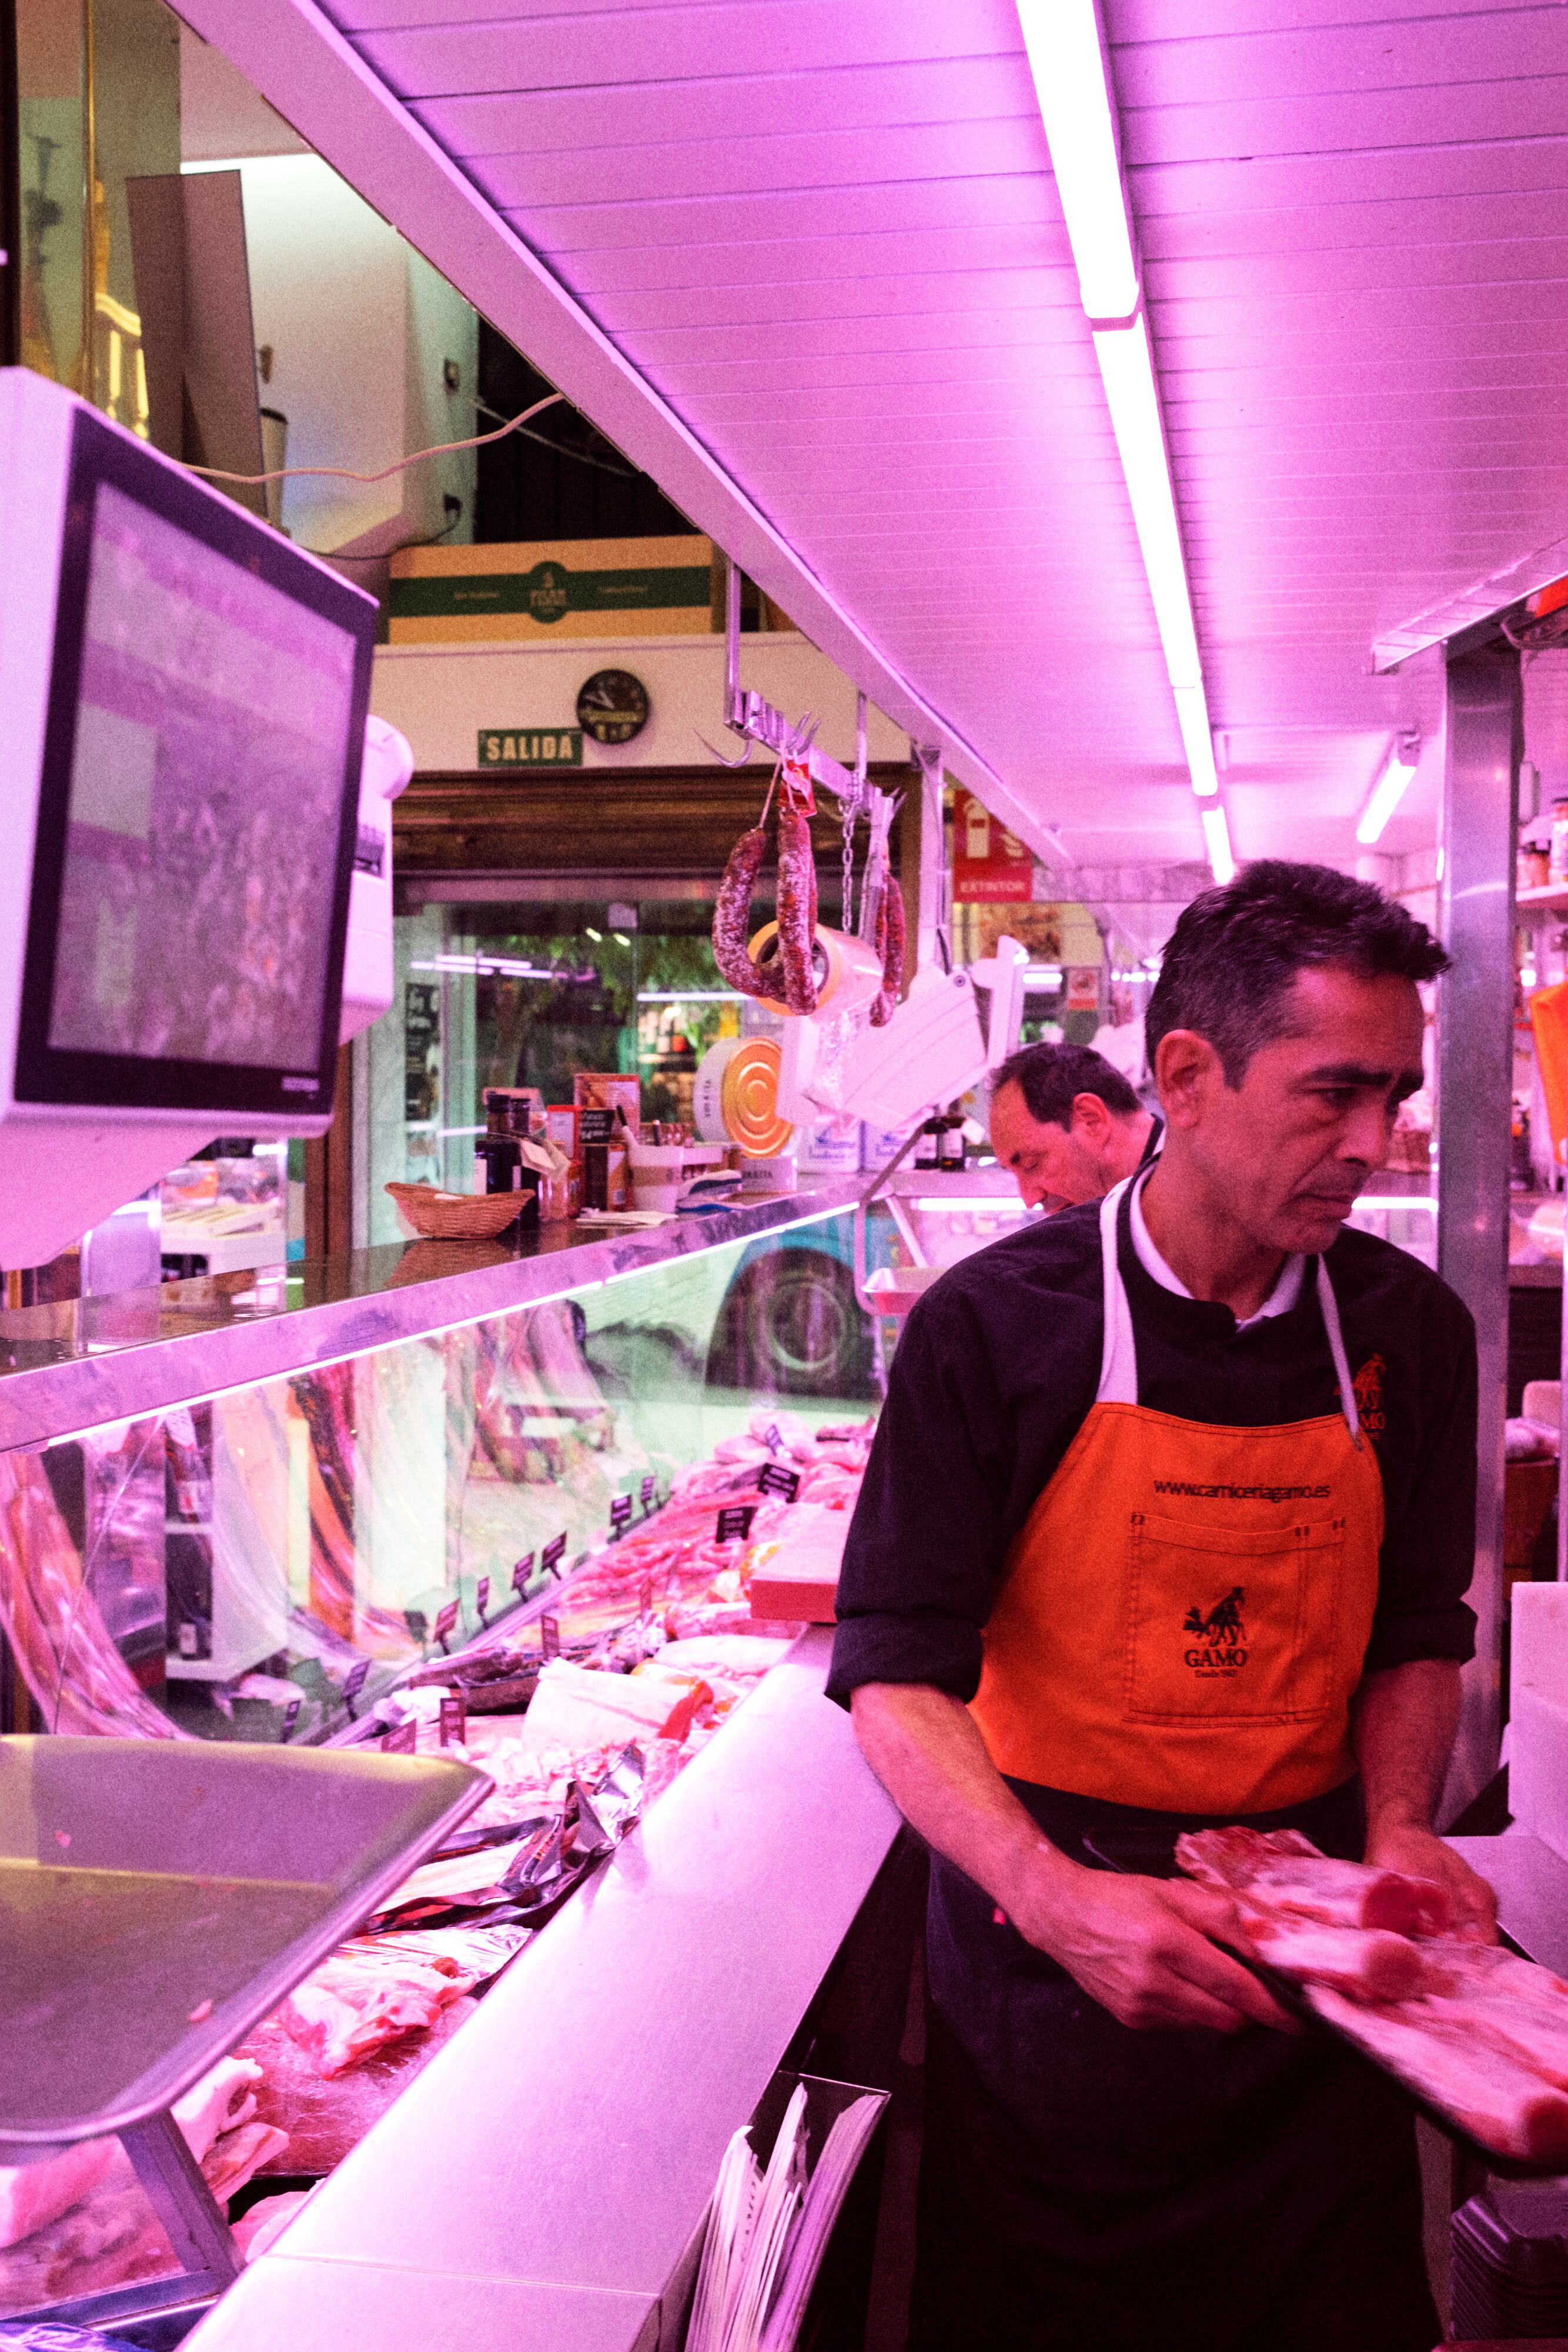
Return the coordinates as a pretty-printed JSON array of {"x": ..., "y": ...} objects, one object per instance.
[{"x": 804, "y": 260}]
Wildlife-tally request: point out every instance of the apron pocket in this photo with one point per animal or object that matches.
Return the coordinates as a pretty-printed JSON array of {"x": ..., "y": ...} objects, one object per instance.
[{"x": 1231, "y": 1626}]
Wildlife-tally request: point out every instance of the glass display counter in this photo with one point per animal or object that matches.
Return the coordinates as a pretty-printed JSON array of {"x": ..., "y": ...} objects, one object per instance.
[
  {"x": 244, "y": 1505},
  {"x": 254, "y": 1509}
]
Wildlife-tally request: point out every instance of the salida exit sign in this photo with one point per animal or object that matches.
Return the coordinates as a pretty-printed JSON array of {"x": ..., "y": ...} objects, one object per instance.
[{"x": 530, "y": 747}]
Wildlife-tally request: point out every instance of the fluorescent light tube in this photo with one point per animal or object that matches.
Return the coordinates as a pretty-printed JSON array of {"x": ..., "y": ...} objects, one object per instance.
[
  {"x": 1387, "y": 793},
  {"x": 1128, "y": 374},
  {"x": 1063, "y": 38},
  {"x": 1198, "y": 739},
  {"x": 1217, "y": 841}
]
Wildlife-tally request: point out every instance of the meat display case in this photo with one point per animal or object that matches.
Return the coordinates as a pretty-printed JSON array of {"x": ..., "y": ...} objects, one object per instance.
[{"x": 309, "y": 1485}]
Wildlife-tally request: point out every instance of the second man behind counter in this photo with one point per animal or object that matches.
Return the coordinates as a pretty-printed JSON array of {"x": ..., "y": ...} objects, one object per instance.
[{"x": 1068, "y": 1125}]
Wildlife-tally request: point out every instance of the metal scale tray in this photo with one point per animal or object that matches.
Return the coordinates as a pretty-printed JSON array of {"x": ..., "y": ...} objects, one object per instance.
[{"x": 158, "y": 1898}]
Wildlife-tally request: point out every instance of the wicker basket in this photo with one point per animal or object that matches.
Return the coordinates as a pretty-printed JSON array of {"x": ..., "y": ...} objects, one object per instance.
[{"x": 456, "y": 1216}]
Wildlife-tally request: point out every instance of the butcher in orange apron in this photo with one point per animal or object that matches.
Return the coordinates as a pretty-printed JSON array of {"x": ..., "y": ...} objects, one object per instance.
[{"x": 1188, "y": 1564}]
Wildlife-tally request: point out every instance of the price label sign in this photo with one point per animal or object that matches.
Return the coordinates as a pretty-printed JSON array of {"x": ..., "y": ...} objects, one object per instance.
[
  {"x": 482, "y": 1598},
  {"x": 445, "y": 1623},
  {"x": 734, "y": 1523},
  {"x": 620, "y": 1515},
  {"x": 774, "y": 1479},
  {"x": 454, "y": 1720},
  {"x": 550, "y": 1637},
  {"x": 521, "y": 1574},
  {"x": 404, "y": 1740},
  {"x": 650, "y": 1487},
  {"x": 291, "y": 1716},
  {"x": 354, "y": 1681},
  {"x": 552, "y": 1555}
]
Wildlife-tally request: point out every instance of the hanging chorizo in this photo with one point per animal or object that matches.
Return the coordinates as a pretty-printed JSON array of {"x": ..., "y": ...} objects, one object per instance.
[
  {"x": 889, "y": 943},
  {"x": 797, "y": 911},
  {"x": 732, "y": 919}
]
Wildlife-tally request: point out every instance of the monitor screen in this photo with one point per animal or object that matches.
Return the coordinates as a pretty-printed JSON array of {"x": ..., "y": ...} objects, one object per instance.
[{"x": 201, "y": 793}]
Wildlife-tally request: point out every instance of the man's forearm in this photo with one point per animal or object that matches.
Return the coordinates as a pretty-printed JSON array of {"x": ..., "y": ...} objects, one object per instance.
[
  {"x": 926, "y": 1749},
  {"x": 1140, "y": 1947},
  {"x": 1405, "y": 1718}
]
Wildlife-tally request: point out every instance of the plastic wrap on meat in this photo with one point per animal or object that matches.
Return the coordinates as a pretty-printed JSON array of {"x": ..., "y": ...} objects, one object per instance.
[{"x": 1283, "y": 1871}]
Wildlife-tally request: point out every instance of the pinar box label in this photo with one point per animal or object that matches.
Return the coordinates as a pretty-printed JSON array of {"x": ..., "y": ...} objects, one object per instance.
[{"x": 556, "y": 588}]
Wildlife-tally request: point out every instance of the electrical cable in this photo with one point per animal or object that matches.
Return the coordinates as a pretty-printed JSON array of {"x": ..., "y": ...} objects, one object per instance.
[
  {"x": 560, "y": 448},
  {"x": 344, "y": 474}
]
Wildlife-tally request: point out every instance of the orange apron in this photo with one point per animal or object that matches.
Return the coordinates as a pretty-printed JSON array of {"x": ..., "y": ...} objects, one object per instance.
[{"x": 1183, "y": 1619}]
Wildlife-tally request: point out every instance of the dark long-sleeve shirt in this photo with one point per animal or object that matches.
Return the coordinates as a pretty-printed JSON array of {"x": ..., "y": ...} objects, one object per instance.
[{"x": 997, "y": 1367}]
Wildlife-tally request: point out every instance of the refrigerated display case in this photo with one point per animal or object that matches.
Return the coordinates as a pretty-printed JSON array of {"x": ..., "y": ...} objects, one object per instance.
[{"x": 318, "y": 1484}]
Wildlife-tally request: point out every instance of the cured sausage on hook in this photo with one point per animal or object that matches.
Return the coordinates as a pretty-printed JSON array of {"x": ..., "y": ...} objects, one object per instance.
[
  {"x": 731, "y": 921},
  {"x": 889, "y": 944}
]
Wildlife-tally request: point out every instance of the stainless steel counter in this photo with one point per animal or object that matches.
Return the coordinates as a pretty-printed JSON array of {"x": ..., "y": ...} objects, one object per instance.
[
  {"x": 1531, "y": 1888},
  {"x": 91, "y": 1360},
  {"x": 542, "y": 2183}
]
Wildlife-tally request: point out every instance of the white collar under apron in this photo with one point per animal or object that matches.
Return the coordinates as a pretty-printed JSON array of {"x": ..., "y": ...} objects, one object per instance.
[{"x": 1119, "y": 1356}]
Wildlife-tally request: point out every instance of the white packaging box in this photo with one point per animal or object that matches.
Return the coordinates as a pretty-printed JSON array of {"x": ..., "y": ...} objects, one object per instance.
[{"x": 1538, "y": 1713}]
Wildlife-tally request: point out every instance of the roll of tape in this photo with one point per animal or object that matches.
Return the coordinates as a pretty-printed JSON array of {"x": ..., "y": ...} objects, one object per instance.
[{"x": 848, "y": 971}]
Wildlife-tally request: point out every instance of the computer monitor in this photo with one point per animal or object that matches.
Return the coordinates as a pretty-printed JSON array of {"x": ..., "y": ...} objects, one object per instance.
[{"x": 183, "y": 704}]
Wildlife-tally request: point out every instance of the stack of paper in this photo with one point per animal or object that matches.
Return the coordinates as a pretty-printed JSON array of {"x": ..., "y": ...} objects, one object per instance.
[{"x": 768, "y": 2229}]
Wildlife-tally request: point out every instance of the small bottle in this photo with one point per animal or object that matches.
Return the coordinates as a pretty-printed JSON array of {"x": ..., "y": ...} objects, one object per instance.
[
  {"x": 927, "y": 1149},
  {"x": 950, "y": 1143}
]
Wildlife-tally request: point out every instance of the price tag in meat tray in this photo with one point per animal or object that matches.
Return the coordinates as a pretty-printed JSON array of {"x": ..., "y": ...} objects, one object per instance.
[
  {"x": 290, "y": 1717},
  {"x": 552, "y": 1555},
  {"x": 620, "y": 1515},
  {"x": 403, "y": 1740},
  {"x": 650, "y": 1487},
  {"x": 521, "y": 1574},
  {"x": 735, "y": 1523},
  {"x": 774, "y": 1479},
  {"x": 445, "y": 1624},
  {"x": 482, "y": 1600},
  {"x": 454, "y": 1720},
  {"x": 549, "y": 1638},
  {"x": 354, "y": 1681}
]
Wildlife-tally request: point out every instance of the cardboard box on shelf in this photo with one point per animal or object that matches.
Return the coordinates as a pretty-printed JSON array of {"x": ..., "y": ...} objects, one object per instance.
[{"x": 551, "y": 588}]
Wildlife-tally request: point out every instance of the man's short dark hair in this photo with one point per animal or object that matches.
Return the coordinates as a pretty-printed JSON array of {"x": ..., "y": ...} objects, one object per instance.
[
  {"x": 1049, "y": 1076},
  {"x": 1231, "y": 960}
]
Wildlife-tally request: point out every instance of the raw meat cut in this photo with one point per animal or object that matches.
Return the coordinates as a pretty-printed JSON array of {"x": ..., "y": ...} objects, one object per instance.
[
  {"x": 1283, "y": 1871},
  {"x": 1368, "y": 1963},
  {"x": 33, "y": 2195},
  {"x": 1499, "y": 2101},
  {"x": 266, "y": 2220},
  {"x": 349, "y": 2007},
  {"x": 223, "y": 2100},
  {"x": 323, "y": 2120}
]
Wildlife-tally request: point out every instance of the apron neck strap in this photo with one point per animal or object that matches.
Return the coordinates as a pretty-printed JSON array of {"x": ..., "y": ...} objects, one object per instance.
[
  {"x": 1119, "y": 1350},
  {"x": 1330, "y": 1308}
]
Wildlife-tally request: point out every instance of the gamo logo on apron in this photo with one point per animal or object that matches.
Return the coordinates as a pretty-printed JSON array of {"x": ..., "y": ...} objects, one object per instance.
[{"x": 1183, "y": 1619}]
